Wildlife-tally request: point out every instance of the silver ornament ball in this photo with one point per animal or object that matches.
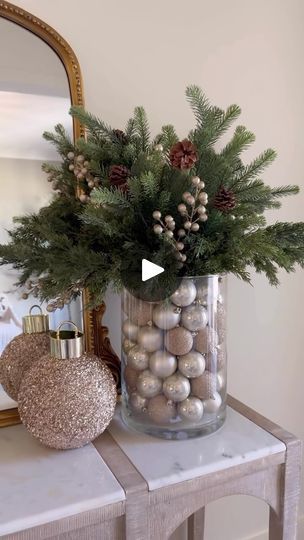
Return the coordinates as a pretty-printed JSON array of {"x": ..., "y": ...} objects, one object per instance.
[
  {"x": 191, "y": 409},
  {"x": 185, "y": 294},
  {"x": 166, "y": 316},
  {"x": 138, "y": 358},
  {"x": 138, "y": 403},
  {"x": 176, "y": 387},
  {"x": 150, "y": 338},
  {"x": 192, "y": 364},
  {"x": 148, "y": 385},
  {"x": 130, "y": 330},
  {"x": 162, "y": 364},
  {"x": 194, "y": 317},
  {"x": 213, "y": 403}
]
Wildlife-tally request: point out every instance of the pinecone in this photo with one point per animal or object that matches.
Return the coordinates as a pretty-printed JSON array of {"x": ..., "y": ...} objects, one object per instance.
[
  {"x": 183, "y": 154},
  {"x": 224, "y": 200},
  {"x": 118, "y": 175},
  {"x": 120, "y": 135}
]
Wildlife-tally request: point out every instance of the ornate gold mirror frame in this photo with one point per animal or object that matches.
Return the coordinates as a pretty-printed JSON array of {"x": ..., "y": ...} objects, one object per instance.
[{"x": 96, "y": 334}]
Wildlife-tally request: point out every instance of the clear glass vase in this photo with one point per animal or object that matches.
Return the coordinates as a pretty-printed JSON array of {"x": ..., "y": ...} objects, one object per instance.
[{"x": 174, "y": 360}]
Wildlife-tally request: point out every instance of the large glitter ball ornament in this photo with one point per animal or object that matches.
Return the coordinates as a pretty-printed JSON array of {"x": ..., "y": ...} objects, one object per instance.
[
  {"x": 194, "y": 317},
  {"x": 206, "y": 340},
  {"x": 67, "y": 398},
  {"x": 161, "y": 410},
  {"x": 176, "y": 387},
  {"x": 204, "y": 386},
  {"x": 23, "y": 351},
  {"x": 162, "y": 364},
  {"x": 130, "y": 376},
  {"x": 166, "y": 316},
  {"x": 150, "y": 338},
  {"x": 138, "y": 403},
  {"x": 191, "y": 409},
  {"x": 213, "y": 403},
  {"x": 148, "y": 385},
  {"x": 138, "y": 358},
  {"x": 185, "y": 294},
  {"x": 192, "y": 364},
  {"x": 178, "y": 341},
  {"x": 130, "y": 330}
]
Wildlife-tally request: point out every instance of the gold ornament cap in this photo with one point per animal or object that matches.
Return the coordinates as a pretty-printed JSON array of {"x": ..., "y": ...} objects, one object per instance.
[
  {"x": 35, "y": 324},
  {"x": 66, "y": 343}
]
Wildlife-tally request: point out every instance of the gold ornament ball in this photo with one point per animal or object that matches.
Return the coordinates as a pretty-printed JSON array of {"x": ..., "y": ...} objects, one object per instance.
[
  {"x": 161, "y": 410},
  {"x": 204, "y": 386},
  {"x": 178, "y": 341},
  {"x": 67, "y": 403},
  {"x": 17, "y": 358},
  {"x": 206, "y": 340}
]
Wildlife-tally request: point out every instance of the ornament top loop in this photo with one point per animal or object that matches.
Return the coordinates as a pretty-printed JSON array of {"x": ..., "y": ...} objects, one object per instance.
[
  {"x": 66, "y": 343},
  {"x": 35, "y": 324}
]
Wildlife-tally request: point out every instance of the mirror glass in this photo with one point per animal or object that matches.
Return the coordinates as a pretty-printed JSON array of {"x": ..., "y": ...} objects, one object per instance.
[{"x": 34, "y": 96}]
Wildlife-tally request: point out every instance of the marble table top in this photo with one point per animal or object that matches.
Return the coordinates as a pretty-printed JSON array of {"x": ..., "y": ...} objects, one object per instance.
[
  {"x": 39, "y": 485},
  {"x": 163, "y": 463}
]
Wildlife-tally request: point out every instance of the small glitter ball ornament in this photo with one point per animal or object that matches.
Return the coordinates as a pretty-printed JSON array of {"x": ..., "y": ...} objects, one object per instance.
[
  {"x": 161, "y": 410},
  {"x": 206, "y": 340},
  {"x": 166, "y": 316},
  {"x": 176, "y": 387},
  {"x": 194, "y": 317},
  {"x": 204, "y": 386},
  {"x": 67, "y": 398},
  {"x": 162, "y": 364},
  {"x": 130, "y": 330},
  {"x": 191, "y": 409},
  {"x": 185, "y": 294},
  {"x": 150, "y": 338},
  {"x": 178, "y": 341},
  {"x": 138, "y": 358},
  {"x": 213, "y": 403},
  {"x": 137, "y": 403},
  {"x": 148, "y": 385},
  {"x": 192, "y": 364},
  {"x": 23, "y": 351},
  {"x": 130, "y": 376}
]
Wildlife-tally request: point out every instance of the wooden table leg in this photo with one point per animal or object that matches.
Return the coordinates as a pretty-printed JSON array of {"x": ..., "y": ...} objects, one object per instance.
[
  {"x": 196, "y": 525},
  {"x": 283, "y": 525}
]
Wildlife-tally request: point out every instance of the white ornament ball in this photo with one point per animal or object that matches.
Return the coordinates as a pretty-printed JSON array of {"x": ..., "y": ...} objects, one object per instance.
[
  {"x": 178, "y": 341},
  {"x": 192, "y": 364},
  {"x": 204, "y": 386},
  {"x": 176, "y": 387},
  {"x": 156, "y": 214},
  {"x": 127, "y": 345},
  {"x": 138, "y": 403},
  {"x": 161, "y": 410},
  {"x": 185, "y": 294},
  {"x": 196, "y": 181},
  {"x": 206, "y": 340},
  {"x": 138, "y": 358},
  {"x": 166, "y": 316},
  {"x": 71, "y": 155},
  {"x": 159, "y": 147},
  {"x": 191, "y": 409},
  {"x": 130, "y": 330},
  {"x": 213, "y": 403},
  {"x": 162, "y": 364},
  {"x": 150, "y": 338},
  {"x": 194, "y": 317},
  {"x": 148, "y": 385},
  {"x": 158, "y": 229}
]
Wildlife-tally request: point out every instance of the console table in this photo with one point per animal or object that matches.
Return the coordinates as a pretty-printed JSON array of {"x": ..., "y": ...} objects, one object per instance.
[{"x": 132, "y": 486}]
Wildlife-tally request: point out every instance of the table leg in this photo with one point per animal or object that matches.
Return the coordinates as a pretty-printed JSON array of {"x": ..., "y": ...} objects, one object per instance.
[{"x": 196, "y": 525}]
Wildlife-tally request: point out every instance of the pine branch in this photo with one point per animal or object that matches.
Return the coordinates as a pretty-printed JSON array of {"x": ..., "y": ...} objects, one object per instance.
[
  {"x": 167, "y": 137},
  {"x": 96, "y": 127},
  {"x": 111, "y": 197},
  {"x": 60, "y": 139},
  {"x": 255, "y": 168},
  {"x": 241, "y": 140},
  {"x": 141, "y": 128}
]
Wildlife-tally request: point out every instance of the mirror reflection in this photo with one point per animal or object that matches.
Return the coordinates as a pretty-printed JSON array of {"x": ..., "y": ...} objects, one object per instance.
[{"x": 34, "y": 96}]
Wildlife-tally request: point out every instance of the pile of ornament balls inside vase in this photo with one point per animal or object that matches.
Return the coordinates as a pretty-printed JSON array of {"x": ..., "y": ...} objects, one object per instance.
[
  {"x": 174, "y": 356},
  {"x": 66, "y": 397}
]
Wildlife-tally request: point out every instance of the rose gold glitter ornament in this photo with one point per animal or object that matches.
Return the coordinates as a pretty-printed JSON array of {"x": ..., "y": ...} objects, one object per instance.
[
  {"x": 23, "y": 350},
  {"x": 161, "y": 410},
  {"x": 204, "y": 386},
  {"x": 130, "y": 376},
  {"x": 178, "y": 341},
  {"x": 67, "y": 398},
  {"x": 206, "y": 340}
]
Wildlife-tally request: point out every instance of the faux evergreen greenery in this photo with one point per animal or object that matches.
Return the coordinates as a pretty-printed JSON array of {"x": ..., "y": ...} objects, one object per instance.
[{"x": 122, "y": 177}]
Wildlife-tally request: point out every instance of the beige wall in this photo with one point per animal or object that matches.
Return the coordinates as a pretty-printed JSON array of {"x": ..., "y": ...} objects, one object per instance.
[{"x": 138, "y": 52}]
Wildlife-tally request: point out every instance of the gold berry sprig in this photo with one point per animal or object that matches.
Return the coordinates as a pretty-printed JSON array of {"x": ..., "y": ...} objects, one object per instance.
[{"x": 81, "y": 169}]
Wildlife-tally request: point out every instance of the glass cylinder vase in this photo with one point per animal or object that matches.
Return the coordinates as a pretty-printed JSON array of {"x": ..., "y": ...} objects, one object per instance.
[{"x": 174, "y": 360}]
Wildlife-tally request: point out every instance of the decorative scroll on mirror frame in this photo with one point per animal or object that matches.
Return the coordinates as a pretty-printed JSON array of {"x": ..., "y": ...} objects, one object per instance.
[{"x": 96, "y": 335}]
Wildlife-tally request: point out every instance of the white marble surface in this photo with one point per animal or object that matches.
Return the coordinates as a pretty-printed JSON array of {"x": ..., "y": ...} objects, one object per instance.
[
  {"x": 39, "y": 485},
  {"x": 163, "y": 463},
  {"x": 5, "y": 401}
]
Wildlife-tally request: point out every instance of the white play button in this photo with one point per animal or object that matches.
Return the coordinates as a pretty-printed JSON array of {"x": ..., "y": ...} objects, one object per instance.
[{"x": 150, "y": 270}]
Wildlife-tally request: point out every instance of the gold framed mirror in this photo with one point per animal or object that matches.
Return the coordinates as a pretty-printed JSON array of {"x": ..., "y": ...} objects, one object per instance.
[{"x": 36, "y": 92}]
